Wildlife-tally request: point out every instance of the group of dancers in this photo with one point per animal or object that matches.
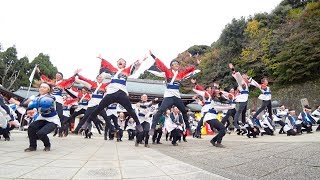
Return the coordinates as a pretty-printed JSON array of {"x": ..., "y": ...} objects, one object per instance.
[{"x": 96, "y": 100}]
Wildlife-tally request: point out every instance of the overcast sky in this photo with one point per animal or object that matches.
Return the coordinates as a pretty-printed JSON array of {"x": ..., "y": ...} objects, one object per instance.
[{"x": 74, "y": 32}]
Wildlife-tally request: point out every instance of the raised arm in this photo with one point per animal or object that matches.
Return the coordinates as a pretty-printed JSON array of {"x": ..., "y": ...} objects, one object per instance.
[
  {"x": 72, "y": 92},
  {"x": 86, "y": 82},
  {"x": 106, "y": 66},
  {"x": 159, "y": 63},
  {"x": 44, "y": 78},
  {"x": 67, "y": 82}
]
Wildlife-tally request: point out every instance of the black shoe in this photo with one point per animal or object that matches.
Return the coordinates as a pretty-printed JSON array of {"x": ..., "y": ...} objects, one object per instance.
[
  {"x": 248, "y": 136},
  {"x": 213, "y": 143},
  {"x": 147, "y": 146},
  {"x": 30, "y": 149},
  {"x": 105, "y": 138},
  {"x": 46, "y": 148},
  {"x": 175, "y": 144},
  {"x": 89, "y": 135},
  {"x": 238, "y": 132},
  {"x": 185, "y": 140},
  {"x": 118, "y": 140},
  {"x": 243, "y": 132},
  {"x": 7, "y": 139},
  {"x": 54, "y": 134},
  {"x": 219, "y": 145},
  {"x": 159, "y": 143}
]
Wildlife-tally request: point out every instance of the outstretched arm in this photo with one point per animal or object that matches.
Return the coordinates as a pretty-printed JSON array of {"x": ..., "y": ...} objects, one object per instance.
[
  {"x": 159, "y": 63},
  {"x": 106, "y": 66},
  {"x": 86, "y": 82},
  {"x": 44, "y": 78}
]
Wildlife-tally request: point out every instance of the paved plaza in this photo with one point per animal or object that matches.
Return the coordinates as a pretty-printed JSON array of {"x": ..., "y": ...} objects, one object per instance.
[{"x": 276, "y": 157}]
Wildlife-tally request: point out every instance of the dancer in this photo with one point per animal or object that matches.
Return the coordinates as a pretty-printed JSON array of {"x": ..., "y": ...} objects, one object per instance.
[
  {"x": 172, "y": 97},
  {"x": 112, "y": 114},
  {"x": 265, "y": 97},
  {"x": 144, "y": 112},
  {"x": 117, "y": 90},
  {"x": 290, "y": 126},
  {"x": 58, "y": 85},
  {"x": 211, "y": 117},
  {"x": 98, "y": 90},
  {"x": 83, "y": 97},
  {"x": 316, "y": 116},
  {"x": 47, "y": 120},
  {"x": 241, "y": 98}
]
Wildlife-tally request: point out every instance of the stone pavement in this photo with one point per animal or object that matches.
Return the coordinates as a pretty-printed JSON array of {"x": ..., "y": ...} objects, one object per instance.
[
  {"x": 77, "y": 158},
  {"x": 266, "y": 157}
]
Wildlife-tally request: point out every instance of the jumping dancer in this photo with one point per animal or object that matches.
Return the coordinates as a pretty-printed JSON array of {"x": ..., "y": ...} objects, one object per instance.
[
  {"x": 117, "y": 90},
  {"x": 171, "y": 95},
  {"x": 98, "y": 90}
]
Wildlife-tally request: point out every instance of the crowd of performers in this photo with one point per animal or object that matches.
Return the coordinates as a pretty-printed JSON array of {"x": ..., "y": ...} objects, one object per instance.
[{"x": 97, "y": 104}]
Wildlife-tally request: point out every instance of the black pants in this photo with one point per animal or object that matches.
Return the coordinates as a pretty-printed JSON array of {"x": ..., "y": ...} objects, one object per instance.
[
  {"x": 157, "y": 135},
  {"x": 282, "y": 124},
  {"x": 110, "y": 132},
  {"x": 39, "y": 130},
  {"x": 119, "y": 134},
  {"x": 145, "y": 133},
  {"x": 59, "y": 109},
  {"x": 299, "y": 127},
  {"x": 253, "y": 133},
  {"x": 167, "y": 136},
  {"x": 214, "y": 123},
  {"x": 175, "y": 135},
  {"x": 119, "y": 97},
  {"x": 225, "y": 119},
  {"x": 168, "y": 102},
  {"x": 200, "y": 124},
  {"x": 240, "y": 110},
  {"x": 5, "y": 131},
  {"x": 131, "y": 134},
  {"x": 265, "y": 104},
  {"x": 96, "y": 121},
  {"x": 268, "y": 131},
  {"x": 74, "y": 115},
  {"x": 109, "y": 127},
  {"x": 308, "y": 129}
]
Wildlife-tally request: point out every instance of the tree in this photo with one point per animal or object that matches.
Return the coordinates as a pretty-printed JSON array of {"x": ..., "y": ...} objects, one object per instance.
[
  {"x": 44, "y": 65},
  {"x": 9, "y": 67}
]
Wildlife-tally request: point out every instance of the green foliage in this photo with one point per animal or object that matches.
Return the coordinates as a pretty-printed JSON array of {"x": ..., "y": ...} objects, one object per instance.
[
  {"x": 45, "y": 65},
  {"x": 198, "y": 50},
  {"x": 283, "y": 45},
  {"x": 148, "y": 75},
  {"x": 15, "y": 72}
]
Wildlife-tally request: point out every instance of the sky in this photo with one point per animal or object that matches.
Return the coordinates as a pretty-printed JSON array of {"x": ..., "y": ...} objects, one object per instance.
[{"x": 74, "y": 32}]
